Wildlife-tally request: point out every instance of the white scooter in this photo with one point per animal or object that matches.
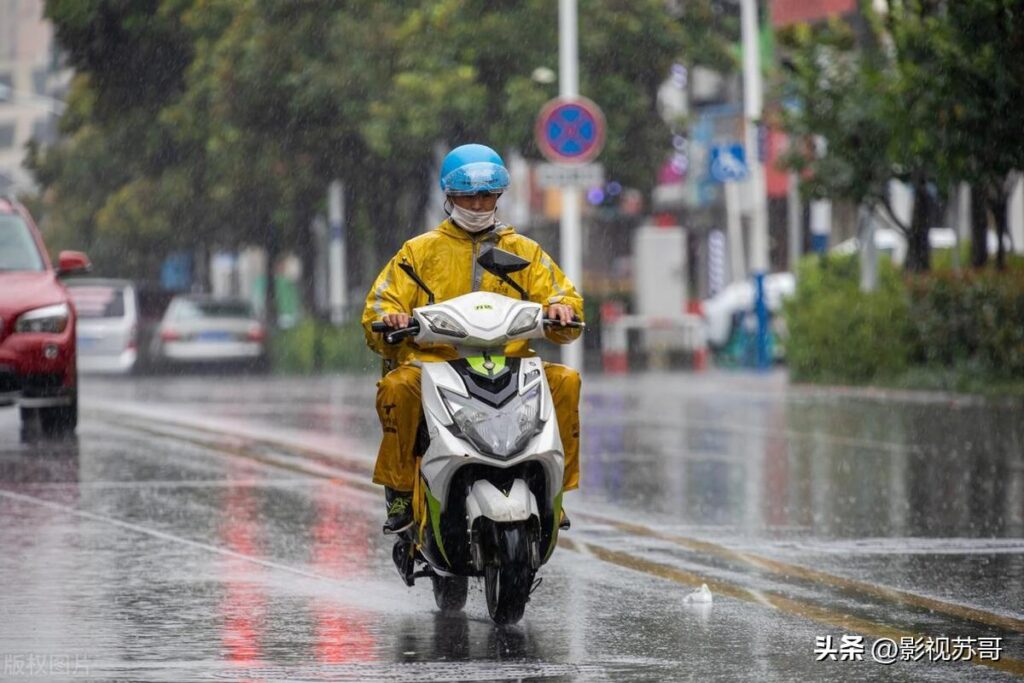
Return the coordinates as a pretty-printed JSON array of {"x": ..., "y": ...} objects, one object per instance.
[{"x": 488, "y": 500}]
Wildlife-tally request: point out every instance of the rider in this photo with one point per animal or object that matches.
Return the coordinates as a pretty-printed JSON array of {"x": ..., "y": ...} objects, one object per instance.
[{"x": 472, "y": 177}]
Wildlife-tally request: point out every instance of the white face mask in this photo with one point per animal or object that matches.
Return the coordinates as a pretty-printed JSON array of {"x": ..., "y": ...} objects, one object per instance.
[{"x": 472, "y": 221}]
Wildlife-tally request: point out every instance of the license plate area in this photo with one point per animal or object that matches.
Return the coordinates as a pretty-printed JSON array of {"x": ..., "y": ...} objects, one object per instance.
[{"x": 215, "y": 336}]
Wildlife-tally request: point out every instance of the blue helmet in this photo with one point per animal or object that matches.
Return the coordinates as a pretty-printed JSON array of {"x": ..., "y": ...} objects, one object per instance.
[{"x": 472, "y": 169}]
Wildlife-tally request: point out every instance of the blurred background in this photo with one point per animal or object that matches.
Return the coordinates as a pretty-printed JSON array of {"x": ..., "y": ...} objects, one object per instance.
[
  {"x": 192, "y": 147},
  {"x": 792, "y": 195}
]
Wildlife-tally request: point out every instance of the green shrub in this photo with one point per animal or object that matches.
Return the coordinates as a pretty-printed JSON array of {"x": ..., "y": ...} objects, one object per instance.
[
  {"x": 971, "y": 320},
  {"x": 957, "y": 331},
  {"x": 313, "y": 346},
  {"x": 836, "y": 333}
]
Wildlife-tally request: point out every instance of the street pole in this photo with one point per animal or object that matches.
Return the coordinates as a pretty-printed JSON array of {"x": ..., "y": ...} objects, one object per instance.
[
  {"x": 795, "y": 219},
  {"x": 868, "y": 250},
  {"x": 570, "y": 230},
  {"x": 734, "y": 232},
  {"x": 752, "y": 106},
  {"x": 336, "y": 251}
]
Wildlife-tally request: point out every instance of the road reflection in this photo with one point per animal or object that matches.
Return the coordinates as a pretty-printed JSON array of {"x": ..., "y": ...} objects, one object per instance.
[
  {"x": 28, "y": 465},
  {"x": 460, "y": 638},
  {"x": 340, "y": 549},
  {"x": 775, "y": 466},
  {"x": 243, "y": 604}
]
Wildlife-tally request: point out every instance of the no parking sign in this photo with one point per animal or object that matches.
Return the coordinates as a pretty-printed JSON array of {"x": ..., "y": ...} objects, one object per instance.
[{"x": 570, "y": 130}]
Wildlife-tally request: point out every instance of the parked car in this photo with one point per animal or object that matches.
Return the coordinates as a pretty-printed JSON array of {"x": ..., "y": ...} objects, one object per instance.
[
  {"x": 108, "y": 324},
  {"x": 38, "y": 370},
  {"x": 201, "y": 330}
]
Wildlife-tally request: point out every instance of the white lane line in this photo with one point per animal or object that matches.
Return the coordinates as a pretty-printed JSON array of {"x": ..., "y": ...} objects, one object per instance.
[{"x": 163, "y": 535}]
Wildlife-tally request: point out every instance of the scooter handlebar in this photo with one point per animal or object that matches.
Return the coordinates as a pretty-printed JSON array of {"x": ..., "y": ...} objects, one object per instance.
[
  {"x": 393, "y": 335},
  {"x": 552, "y": 322}
]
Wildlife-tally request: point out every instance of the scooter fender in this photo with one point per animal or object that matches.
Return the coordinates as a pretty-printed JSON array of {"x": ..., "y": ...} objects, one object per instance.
[{"x": 486, "y": 500}]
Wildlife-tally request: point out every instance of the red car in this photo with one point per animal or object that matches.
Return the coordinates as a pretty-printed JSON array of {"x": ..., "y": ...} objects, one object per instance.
[{"x": 37, "y": 326}]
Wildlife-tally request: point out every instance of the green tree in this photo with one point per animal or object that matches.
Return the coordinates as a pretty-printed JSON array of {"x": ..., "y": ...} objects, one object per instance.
[
  {"x": 118, "y": 182},
  {"x": 221, "y": 122},
  {"x": 980, "y": 111},
  {"x": 933, "y": 95}
]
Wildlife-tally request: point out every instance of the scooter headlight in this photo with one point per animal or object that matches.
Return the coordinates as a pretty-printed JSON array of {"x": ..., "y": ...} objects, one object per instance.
[
  {"x": 524, "y": 322},
  {"x": 500, "y": 432},
  {"x": 441, "y": 323}
]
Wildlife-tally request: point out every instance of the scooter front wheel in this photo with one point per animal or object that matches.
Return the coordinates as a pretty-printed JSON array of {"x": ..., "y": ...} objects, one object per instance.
[
  {"x": 508, "y": 576},
  {"x": 450, "y": 592}
]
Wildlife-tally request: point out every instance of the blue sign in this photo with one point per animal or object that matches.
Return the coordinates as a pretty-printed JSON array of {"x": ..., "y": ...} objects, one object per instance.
[
  {"x": 570, "y": 131},
  {"x": 728, "y": 163},
  {"x": 176, "y": 272}
]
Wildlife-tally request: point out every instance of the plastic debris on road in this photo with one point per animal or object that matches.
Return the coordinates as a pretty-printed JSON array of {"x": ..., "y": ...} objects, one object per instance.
[{"x": 701, "y": 596}]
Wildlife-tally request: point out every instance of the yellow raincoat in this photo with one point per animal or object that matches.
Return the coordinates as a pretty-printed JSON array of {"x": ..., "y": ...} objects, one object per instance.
[{"x": 445, "y": 260}]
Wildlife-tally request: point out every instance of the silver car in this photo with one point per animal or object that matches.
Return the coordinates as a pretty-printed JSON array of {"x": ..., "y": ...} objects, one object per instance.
[
  {"x": 108, "y": 324},
  {"x": 203, "y": 330}
]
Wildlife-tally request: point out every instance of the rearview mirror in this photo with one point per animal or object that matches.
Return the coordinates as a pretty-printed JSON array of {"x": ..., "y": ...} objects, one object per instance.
[
  {"x": 70, "y": 262},
  {"x": 500, "y": 262}
]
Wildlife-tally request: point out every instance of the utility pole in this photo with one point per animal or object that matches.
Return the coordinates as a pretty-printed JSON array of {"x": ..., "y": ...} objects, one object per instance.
[
  {"x": 336, "y": 251},
  {"x": 752, "y": 108},
  {"x": 795, "y": 220},
  {"x": 570, "y": 231}
]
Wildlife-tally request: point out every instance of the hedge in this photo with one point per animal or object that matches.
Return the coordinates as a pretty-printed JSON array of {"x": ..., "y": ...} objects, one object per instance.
[
  {"x": 314, "y": 346},
  {"x": 962, "y": 328},
  {"x": 969, "y": 320},
  {"x": 836, "y": 333}
]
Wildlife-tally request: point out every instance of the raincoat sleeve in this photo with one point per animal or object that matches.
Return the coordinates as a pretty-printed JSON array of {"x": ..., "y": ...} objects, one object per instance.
[
  {"x": 392, "y": 292},
  {"x": 549, "y": 285}
]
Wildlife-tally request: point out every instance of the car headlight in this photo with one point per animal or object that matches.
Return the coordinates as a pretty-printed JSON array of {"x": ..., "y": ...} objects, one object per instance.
[
  {"x": 46, "y": 319},
  {"x": 501, "y": 432},
  {"x": 524, "y": 322},
  {"x": 442, "y": 323}
]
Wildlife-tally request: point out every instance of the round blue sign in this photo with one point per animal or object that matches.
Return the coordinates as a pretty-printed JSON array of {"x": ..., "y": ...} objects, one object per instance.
[{"x": 570, "y": 131}]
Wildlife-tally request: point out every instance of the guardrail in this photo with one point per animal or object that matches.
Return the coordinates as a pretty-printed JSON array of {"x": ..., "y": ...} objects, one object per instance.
[{"x": 683, "y": 332}]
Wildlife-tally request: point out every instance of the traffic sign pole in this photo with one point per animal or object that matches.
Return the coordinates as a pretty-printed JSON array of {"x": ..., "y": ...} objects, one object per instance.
[
  {"x": 752, "y": 107},
  {"x": 729, "y": 167},
  {"x": 734, "y": 232},
  {"x": 571, "y": 229}
]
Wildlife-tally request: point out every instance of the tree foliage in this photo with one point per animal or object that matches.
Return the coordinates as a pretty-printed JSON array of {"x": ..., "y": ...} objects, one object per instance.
[
  {"x": 209, "y": 123},
  {"x": 931, "y": 94}
]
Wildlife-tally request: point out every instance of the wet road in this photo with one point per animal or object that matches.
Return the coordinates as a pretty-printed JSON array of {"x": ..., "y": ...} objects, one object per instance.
[{"x": 204, "y": 528}]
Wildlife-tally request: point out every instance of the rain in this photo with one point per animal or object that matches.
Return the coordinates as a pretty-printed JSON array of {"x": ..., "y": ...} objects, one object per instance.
[{"x": 454, "y": 340}]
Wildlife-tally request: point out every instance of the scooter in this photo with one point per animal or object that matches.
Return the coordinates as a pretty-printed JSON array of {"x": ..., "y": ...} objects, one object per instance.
[{"x": 488, "y": 498}]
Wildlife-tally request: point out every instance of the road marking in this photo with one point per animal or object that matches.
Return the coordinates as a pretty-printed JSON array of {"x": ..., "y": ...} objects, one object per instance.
[
  {"x": 776, "y": 567},
  {"x": 821, "y": 615},
  {"x": 799, "y": 608},
  {"x": 174, "y": 538},
  {"x": 786, "y": 569}
]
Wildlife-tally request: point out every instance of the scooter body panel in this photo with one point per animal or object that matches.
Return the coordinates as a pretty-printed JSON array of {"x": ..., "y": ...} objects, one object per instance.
[{"x": 486, "y": 500}]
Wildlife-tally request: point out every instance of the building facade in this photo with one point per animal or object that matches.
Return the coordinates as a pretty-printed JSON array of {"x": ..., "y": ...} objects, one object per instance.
[{"x": 33, "y": 81}]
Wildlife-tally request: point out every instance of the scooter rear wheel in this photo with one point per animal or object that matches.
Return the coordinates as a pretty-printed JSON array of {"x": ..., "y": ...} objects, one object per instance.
[
  {"x": 508, "y": 576},
  {"x": 450, "y": 592}
]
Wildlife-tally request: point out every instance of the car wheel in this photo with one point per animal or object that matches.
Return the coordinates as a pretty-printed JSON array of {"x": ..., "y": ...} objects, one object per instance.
[
  {"x": 57, "y": 421},
  {"x": 261, "y": 366}
]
